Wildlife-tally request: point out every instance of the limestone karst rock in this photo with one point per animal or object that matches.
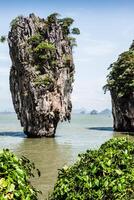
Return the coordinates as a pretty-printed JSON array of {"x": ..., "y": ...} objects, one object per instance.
[
  {"x": 42, "y": 72},
  {"x": 120, "y": 82}
]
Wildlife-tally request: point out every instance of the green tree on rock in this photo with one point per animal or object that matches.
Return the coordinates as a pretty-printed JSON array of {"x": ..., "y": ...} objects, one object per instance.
[
  {"x": 120, "y": 83},
  {"x": 3, "y": 39}
]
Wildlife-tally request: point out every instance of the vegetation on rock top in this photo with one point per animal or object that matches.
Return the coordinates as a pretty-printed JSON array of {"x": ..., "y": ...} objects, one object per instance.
[
  {"x": 14, "y": 22},
  {"x": 120, "y": 80},
  {"x": 107, "y": 173},
  {"x": 44, "y": 51}
]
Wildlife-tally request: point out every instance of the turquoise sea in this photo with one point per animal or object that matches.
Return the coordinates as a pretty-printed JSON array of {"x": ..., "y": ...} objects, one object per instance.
[{"x": 49, "y": 154}]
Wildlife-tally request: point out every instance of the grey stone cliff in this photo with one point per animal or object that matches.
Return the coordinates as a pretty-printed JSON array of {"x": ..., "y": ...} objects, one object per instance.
[
  {"x": 41, "y": 75},
  {"x": 123, "y": 113}
]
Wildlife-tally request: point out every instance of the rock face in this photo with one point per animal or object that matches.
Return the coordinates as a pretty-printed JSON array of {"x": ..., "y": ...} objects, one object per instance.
[
  {"x": 123, "y": 113},
  {"x": 42, "y": 73},
  {"x": 120, "y": 82}
]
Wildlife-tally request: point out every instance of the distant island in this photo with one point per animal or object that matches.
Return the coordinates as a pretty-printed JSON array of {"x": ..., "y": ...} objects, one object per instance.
[
  {"x": 94, "y": 112},
  {"x": 105, "y": 112},
  {"x": 79, "y": 111},
  {"x": 7, "y": 112},
  {"x": 83, "y": 111}
]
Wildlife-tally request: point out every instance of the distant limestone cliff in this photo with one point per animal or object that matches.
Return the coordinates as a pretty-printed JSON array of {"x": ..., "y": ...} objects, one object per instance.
[
  {"x": 120, "y": 83},
  {"x": 94, "y": 112},
  {"x": 42, "y": 72}
]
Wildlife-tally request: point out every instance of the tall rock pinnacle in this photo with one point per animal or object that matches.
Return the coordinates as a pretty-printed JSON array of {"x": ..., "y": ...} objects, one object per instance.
[
  {"x": 42, "y": 72},
  {"x": 120, "y": 83}
]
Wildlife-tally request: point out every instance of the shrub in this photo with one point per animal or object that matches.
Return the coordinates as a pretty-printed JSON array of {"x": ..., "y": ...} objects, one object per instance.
[
  {"x": 53, "y": 17},
  {"x": 3, "y": 39},
  {"x": 65, "y": 24},
  {"x": 67, "y": 58},
  {"x": 76, "y": 31},
  {"x": 14, "y": 22},
  {"x": 68, "y": 21},
  {"x": 44, "y": 46},
  {"x": 72, "y": 41},
  {"x": 35, "y": 40},
  {"x": 14, "y": 177},
  {"x": 44, "y": 80},
  {"x": 107, "y": 173},
  {"x": 42, "y": 51}
]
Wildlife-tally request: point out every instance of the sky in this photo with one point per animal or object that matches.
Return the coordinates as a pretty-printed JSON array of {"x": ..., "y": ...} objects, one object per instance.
[{"x": 107, "y": 29}]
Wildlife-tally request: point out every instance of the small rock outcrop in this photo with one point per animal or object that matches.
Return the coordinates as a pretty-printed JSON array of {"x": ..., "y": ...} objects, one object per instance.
[
  {"x": 120, "y": 83},
  {"x": 42, "y": 72},
  {"x": 94, "y": 112}
]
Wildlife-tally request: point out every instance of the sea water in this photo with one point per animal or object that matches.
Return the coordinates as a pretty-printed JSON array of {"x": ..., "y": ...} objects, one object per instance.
[{"x": 50, "y": 154}]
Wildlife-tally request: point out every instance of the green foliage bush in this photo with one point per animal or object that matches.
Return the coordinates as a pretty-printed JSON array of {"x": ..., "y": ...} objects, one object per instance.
[
  {"x": 44, "y": 80},
  {"x": 67, "y": 58},
  {"x": 121, "y": 77},
  {"x": 53, "y": 17},
  {"x": 3, "y": 39},
  {"x": 76, "y": 31},
  {"x": 68, "y": 21},
  {"x": 65, "y": 23},
  {"x": 35, "y": 40},
  {"x": 14, "y": 178},
  {"x": 44, "y": 46},
  {"x": 42, "y": 51},
  {"x": 72, "y": 41},
  {"x": 14, "y": 22},
  {"x": 104, "y": 174}
]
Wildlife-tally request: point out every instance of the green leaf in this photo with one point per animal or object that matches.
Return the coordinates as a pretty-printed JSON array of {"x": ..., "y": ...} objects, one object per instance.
[{"x": 118, "y": 171}]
